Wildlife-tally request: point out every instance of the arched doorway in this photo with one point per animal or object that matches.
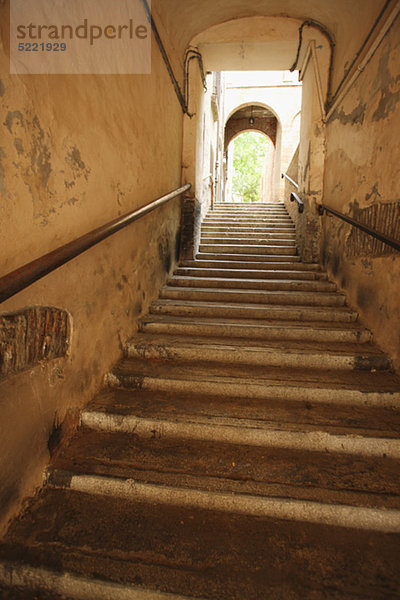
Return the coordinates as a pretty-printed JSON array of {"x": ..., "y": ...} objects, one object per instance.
[
  {"x": 254, "y": 118},
  {"x": 250, "y": 160}
]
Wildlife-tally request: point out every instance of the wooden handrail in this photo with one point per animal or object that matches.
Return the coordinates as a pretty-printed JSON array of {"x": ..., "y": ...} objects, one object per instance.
[
  {"x": 296, "y": 185},
  {"x": 17, "y": 280},
  {"x": 379, "y": 236}
]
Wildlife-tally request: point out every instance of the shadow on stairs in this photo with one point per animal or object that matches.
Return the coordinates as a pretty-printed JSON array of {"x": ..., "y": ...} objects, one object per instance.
[{"x": 246, "y": 447}]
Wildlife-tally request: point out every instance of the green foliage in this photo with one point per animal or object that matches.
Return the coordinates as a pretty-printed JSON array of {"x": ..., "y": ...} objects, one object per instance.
[{"x": 249, "y": 149}]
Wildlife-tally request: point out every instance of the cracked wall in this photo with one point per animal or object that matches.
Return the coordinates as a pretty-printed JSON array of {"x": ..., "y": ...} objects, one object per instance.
[
  {"x": 361, "y": 179},
  {"x": 75, "y": 153}
]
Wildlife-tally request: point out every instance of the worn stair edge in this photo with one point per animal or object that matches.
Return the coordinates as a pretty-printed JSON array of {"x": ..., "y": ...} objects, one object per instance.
[
  {"x": 288, "y": 259},
  {"x": 237, "y": 283},
  {"x": 277, "y": 331},
  {"x": 73, "y": 586},
  {"x": 275, "y": 273},
  {"x": 285, "y": 297},
  {"x": 253, "y": 311},
  {"x": 371, "y": 519},
  {"x": 260, "y": 390},
  {"x": 319, "y": 441},
  {"x": 318, "y": 358}
]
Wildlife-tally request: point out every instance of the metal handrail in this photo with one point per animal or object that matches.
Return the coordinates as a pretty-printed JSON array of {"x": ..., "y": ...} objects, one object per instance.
[
  {"x": 379, "y": 236},
  {"x": 17, "y": 280},
  {"x": 295, "y": 198},
  {"x": 296, "y": 185}
]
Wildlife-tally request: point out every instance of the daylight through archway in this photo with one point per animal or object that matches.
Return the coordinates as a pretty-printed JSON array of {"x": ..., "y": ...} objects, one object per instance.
[{"x": 250, "y": 166}]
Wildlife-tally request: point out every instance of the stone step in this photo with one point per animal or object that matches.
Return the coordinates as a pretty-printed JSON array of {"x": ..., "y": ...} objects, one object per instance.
[
  {"x": 244, "y": 296},
  {"x": 243, "y": 229},
  {"x": 249, "y": 249},
  {"x": 271, "y": 214},
  {"x": 292, "y": 259},
  {"x": 157, "y": 548},
  {"x": 267, "y": 330},
  {"x": 266, "y": 265},
  {"x": 249, "y": 273},
  {"x": 295, "y": 285},
  {"x": 100, "y": 455},
  {"x": 249, "y": 211},
  {"x": 257, "y": 240},
  {"x": 294, "y": 395},
  {"x": 193, "y": 308},
  {"x": 265, "y": 221},
  {"x": 308, "y": 355},
  {"x": 207, "y": 232}
]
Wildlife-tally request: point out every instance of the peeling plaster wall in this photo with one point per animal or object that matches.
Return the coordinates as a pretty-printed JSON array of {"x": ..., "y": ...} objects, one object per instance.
[
  {"x": 76, "y": 152},
  {"x": 362, "y": 179}
]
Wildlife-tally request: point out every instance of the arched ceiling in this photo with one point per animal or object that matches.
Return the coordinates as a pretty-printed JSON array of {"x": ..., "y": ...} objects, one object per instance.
[{"x": 349, "y": 21}]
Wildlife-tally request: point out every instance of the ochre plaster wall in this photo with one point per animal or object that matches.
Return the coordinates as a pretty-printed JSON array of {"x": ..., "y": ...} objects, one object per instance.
[
  {"x": 76, "y": 152},
  {"x": 362, "y": 171}
]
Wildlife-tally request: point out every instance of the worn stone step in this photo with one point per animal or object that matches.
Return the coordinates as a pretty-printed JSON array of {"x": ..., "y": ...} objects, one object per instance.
[
  {"x": 304, "y": 389},
  {"x": 266, "y": 211},
  {"x": 249, "y": 249},
  {"x": 256, "y": 227},
  {"x": 292, "y": 259},
  {"x": 193, "y": 308},
  {"x": 246, "y": 328},
  {"x": 261, "y": 221},
  {"x": 196, "y": 464},
  {"x": 296, "y": 285},
  {"x": 254, "y": 296},
  {"x": 249, "y": 273},
  {"x": 270, "y": 264},
  {"x": 261, "y": 236},
  {"x": 197, "y": 552},
  {"x": 294, "y": 354},
  {"x": 170, "y": 422},
  {"x": 257, "y": 241}
]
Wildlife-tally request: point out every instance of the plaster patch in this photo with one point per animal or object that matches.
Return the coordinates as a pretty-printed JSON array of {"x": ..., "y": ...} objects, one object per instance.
[
  {"x": 355, "y": 117},
  {"x": 3, "y": 187},
  {"x": 12, "y": 116}
]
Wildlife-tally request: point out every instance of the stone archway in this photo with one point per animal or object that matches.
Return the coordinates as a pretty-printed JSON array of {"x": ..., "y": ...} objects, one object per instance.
[
  {"x": 251, "y": 117},
  {"x": 260, "y": 119}
]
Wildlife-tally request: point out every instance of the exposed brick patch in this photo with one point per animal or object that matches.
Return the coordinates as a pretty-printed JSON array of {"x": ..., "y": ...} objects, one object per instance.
[
  {"x": 190, "y": 226},
  {"x": 31, "y": 335},
  {"x": 383, "y": 218}
]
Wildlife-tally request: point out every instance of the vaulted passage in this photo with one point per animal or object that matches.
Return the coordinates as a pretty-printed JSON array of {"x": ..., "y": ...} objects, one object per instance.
[
  {"x": 245, "y": 447},
  {"x": 199, "y": 399}
]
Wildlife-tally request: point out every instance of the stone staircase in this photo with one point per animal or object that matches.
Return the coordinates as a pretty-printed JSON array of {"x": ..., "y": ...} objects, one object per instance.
[{"x": 245, "y": 448}]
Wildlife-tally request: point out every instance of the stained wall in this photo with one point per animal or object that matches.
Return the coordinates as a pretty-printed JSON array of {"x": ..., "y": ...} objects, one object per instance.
[
  {"x": 362, "y": 175},
  {"x": 76, "y": 152}
]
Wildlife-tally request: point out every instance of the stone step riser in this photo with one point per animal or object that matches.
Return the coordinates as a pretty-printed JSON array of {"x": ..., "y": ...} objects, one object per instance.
[
  {"x": 269, "y": 391},
  {"x": 313, "y": 441},
  {"x": 238, "y": 232},
  {"x": 253, "y": 284},
  {"x": 275, "y": 333},
  {"x": 227, "y": 249},
  {"x": 257, "y": 241},
  {"x": 258, "y": 506},
  {"x": 261, "y": 297},
  {"x": 265, "y": 356},
  {"x": 270, "y": 265},
  {"x": 253, "y": 312},
  {"x": 283, "y": 222},
  {"x": 36, "y": 581},
  {"x": 245, "y": 231},
  {"x": 289, "y": 259},
  {"x": 250, "y": 274}
]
